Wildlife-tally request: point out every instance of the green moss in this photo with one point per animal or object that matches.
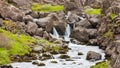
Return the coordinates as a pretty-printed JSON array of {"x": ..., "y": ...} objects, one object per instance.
[
  {"x": 112, "y": 15},
  {"x": 104, "y": 64},
  {"x": 19, "y": 45},
  {"x": 92, "y": 11},
  {"x": 4, "y": 56},
  {"x": 47, "y": 8},
  {"x": 109, "y": 33}
]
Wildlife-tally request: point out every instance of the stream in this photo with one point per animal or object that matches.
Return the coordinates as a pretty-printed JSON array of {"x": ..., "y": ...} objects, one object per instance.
[{"x": 79, "y": 60}]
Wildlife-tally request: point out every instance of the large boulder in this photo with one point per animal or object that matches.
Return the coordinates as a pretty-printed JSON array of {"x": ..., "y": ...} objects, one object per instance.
[
  {"x": 91, "y": 55},
  {"x": 10, "y": 12},
  {"x": 31, "y": 28},
  {"x": 84, "y": 23},
  {"x": 94, "y": 21},
  {"x": 80, "y": 34}
]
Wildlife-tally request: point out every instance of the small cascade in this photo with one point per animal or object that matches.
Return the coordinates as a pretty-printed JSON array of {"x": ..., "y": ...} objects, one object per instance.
[
  {"x": 55, "y": 33},
  {"x": 67, "y": 33}
]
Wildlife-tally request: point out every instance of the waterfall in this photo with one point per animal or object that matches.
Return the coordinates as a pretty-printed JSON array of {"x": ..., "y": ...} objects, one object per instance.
[
  {"x": 55, "y": 33},
  {"x": 67, "y": 33}
]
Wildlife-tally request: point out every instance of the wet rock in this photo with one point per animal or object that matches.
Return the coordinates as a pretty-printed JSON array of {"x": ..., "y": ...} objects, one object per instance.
[
  {"x": 31, "y": 28},
  {"x": 80, "y": 53},
  {"x": 39, "y": 32},
  {"x": 84, "y": 23},
  {"x": 63, "y": 56},
  {"x": 41, "y": 64},
  {"x": 53, "y": 61},
  {"x": 80, "y": 34},
  {"x": 75, "y": 41},
  {"x": 46, "y": 56},
  {"x": 35, "y": 62},
  {"x": 73, "y": 62},
  {"x": 10, "y": 12},
  {"x": 64, "y": 63},
  {"x": 6, "y": 66},
  {"x": 68, "y": 59},
  {"x": 93, "y": 56}
]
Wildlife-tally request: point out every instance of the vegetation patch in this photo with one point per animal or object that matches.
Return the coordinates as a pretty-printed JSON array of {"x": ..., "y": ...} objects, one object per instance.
[
  {"x": 104, "y": 64},
  {"x": 49, "y": 45},
  {"x": 92, "y": 11},
  {"x": 109, "y": 33},
  {"x": 112, "y": 15},
  {"x": 47, "y": 8},
  {"x": 14, "y": 44}
]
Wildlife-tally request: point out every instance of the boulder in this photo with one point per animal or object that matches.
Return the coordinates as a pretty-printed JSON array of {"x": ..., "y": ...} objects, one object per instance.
[
  {"x": 39, "y": 32},
  {"x": 94, "y": 21},
  {"x": 11, "y": 12},
  {"x": 27, "y": 18},
  {"x": 92, "y": 33},
  {"x": 91, "y": 55},
  {"x": 80, "y": 34},
  {"x": 31, "y": 28},
  {"x": 84, "y": 23}
]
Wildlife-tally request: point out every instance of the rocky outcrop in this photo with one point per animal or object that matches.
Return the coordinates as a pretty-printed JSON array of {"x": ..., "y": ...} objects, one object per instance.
[{"x": 10, "y": 12}]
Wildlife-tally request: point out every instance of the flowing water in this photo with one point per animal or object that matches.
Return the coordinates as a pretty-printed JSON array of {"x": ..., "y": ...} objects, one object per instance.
[
  {"x": 67, "y": 33},
  {"x": 79, "y": 61},
  {"x": 55, "y": 33}
]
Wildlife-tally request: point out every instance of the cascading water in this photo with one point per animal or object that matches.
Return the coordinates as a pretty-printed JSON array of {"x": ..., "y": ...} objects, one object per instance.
[
  {"x": 55, "y": 33},
  {"x": 67, "y": 33},
  {"x": 79, "y": 60}
]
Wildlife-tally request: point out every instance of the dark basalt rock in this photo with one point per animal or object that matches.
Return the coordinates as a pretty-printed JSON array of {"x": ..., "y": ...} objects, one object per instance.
[{"x": 63, "y": 56}]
